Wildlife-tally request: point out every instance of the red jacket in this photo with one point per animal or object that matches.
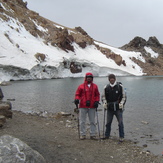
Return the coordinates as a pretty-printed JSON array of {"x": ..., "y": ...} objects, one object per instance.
[{"x": 85, "y": 93}]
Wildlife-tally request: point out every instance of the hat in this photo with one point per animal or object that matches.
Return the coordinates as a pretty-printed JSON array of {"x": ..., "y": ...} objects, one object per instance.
[{"x": 111, "y": 76}]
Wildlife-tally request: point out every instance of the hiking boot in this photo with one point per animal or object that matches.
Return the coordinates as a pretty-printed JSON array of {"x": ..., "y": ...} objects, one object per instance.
[
  {"x": 106, "y": 137},
  {"x": 82, "y": 137},
  {"x": 93, "y": 137},
  {"x": 121, "y": 139}
]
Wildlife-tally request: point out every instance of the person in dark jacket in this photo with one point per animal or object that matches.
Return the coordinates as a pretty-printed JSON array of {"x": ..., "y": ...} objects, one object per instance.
[
  {"x": 113, "y": 101},
  {"x": 87, "y": 96}
]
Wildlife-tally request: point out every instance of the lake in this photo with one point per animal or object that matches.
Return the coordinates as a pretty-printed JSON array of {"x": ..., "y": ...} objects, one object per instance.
[{"x": 143, "y": 111}]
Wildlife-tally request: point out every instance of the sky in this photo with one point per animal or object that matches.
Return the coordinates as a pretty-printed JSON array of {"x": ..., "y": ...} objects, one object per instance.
[{"x": 114, "y": 22}]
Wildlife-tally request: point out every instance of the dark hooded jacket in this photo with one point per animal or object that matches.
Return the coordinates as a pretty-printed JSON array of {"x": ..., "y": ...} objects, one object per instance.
[{"x": 85, "y": 93}]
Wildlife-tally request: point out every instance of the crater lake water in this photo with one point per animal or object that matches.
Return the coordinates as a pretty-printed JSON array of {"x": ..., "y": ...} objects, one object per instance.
[{"x": 143, "y": 115}]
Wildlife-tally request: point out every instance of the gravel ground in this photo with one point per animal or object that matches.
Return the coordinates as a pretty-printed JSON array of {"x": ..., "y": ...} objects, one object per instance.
[{"x": 56, "y": 139}]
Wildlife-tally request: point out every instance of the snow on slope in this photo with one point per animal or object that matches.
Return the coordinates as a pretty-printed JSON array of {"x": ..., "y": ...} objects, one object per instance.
[
  {"x": 131, "y": 67},
  {"x": 18, "y": 48},
  {"x": 28, "y": 47}
]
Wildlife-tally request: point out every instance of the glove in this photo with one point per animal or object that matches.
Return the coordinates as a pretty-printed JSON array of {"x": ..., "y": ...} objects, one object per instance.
[
  {"x": 105, "y": 105},
  {"x": 96, "y": 104},
  {"x": 120, "y": 106},
  {"x": 76, "y": 101}
]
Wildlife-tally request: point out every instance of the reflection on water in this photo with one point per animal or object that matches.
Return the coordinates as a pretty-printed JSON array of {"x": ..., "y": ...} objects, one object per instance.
[{"x": 144, "y": 103}]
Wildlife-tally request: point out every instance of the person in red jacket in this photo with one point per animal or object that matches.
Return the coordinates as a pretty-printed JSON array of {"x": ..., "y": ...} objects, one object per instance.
[{"x": 87, "y": 96}]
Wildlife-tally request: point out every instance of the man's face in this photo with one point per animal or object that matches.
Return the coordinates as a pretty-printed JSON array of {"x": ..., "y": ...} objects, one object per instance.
[
  {"x": 89, "y": 79},
  {"x": 112, "y": 80}
]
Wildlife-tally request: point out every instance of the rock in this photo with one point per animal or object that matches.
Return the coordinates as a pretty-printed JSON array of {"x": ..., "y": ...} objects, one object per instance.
[
  {"x": 10, "y": 99},
  {"x": 82, "y": 31},
  {"x": 64, "y": 114},
  {"x": 5, "y": 83},
  {"x": 40, "y": 57},
  {"x": 2, "y": 120},
  {"x": 14, "y": 150},
  {"x": 7, "y": 103},
  {"x": 144, "y": 122},
  {"x": 116, "y": 58},
  {"x": 153, "y": 65},
  {"x": 153, "y": 42},
  {"x": 5, "y": 109},
  {"x": 135, "y": 44},
  {"x": 75, "y": 67},
  {"x": 145, "y": 145}
]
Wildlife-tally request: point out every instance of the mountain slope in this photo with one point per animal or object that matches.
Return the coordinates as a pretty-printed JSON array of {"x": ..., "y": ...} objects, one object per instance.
[
  {"x": 151, "y": 50},
  {"x": 33, "y": 47}
]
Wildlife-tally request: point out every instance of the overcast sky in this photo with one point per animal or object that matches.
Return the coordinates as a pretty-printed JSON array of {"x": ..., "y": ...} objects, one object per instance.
[{"x": 114, "y": 22}]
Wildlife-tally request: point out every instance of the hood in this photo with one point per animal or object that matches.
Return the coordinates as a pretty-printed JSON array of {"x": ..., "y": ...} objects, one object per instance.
[{"x": 88, "y": 74}]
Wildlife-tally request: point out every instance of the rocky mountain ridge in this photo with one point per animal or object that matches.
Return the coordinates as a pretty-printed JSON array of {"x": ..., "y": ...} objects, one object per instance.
[
  {"x": 153, "y": 66},
  {"x": 63, "y": 37}
]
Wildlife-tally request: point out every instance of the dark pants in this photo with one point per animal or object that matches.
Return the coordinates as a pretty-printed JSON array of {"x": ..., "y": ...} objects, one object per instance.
[{"x": 119, "y": 115}]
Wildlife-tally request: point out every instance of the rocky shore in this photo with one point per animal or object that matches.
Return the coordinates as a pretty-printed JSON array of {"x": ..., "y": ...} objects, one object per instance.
[{"x": 55, "y": 137}]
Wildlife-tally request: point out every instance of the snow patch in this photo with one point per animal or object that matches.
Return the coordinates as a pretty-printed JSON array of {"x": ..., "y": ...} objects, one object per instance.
[{"x": 149, "y": 50}]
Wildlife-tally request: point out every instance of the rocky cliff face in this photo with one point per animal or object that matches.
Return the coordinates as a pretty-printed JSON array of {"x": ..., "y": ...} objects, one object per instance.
[
  {"x": 56, "y": 35},
  {"x": 153, "y": 65},
  {"x": 62, "y": 37}
]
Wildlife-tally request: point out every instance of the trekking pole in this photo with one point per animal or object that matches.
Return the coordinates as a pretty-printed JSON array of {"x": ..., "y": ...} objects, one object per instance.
[
  {"x": 98, "y": 124},
  {"x": 104, "y": 124},
  {"x": 77, "y": 112}
]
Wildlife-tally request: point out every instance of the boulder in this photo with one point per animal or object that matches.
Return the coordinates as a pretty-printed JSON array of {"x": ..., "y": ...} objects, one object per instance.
[
  {"x": 75, "y": 68},
  {"x": 116, "y": 58},
  {"x": 82, "y": 31},
  {"x": 5, "y": 109},
  {"x": 2, "y": 120},
  {"x": 15, "y": 150},
  {"x": 40, "y": 57}
]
